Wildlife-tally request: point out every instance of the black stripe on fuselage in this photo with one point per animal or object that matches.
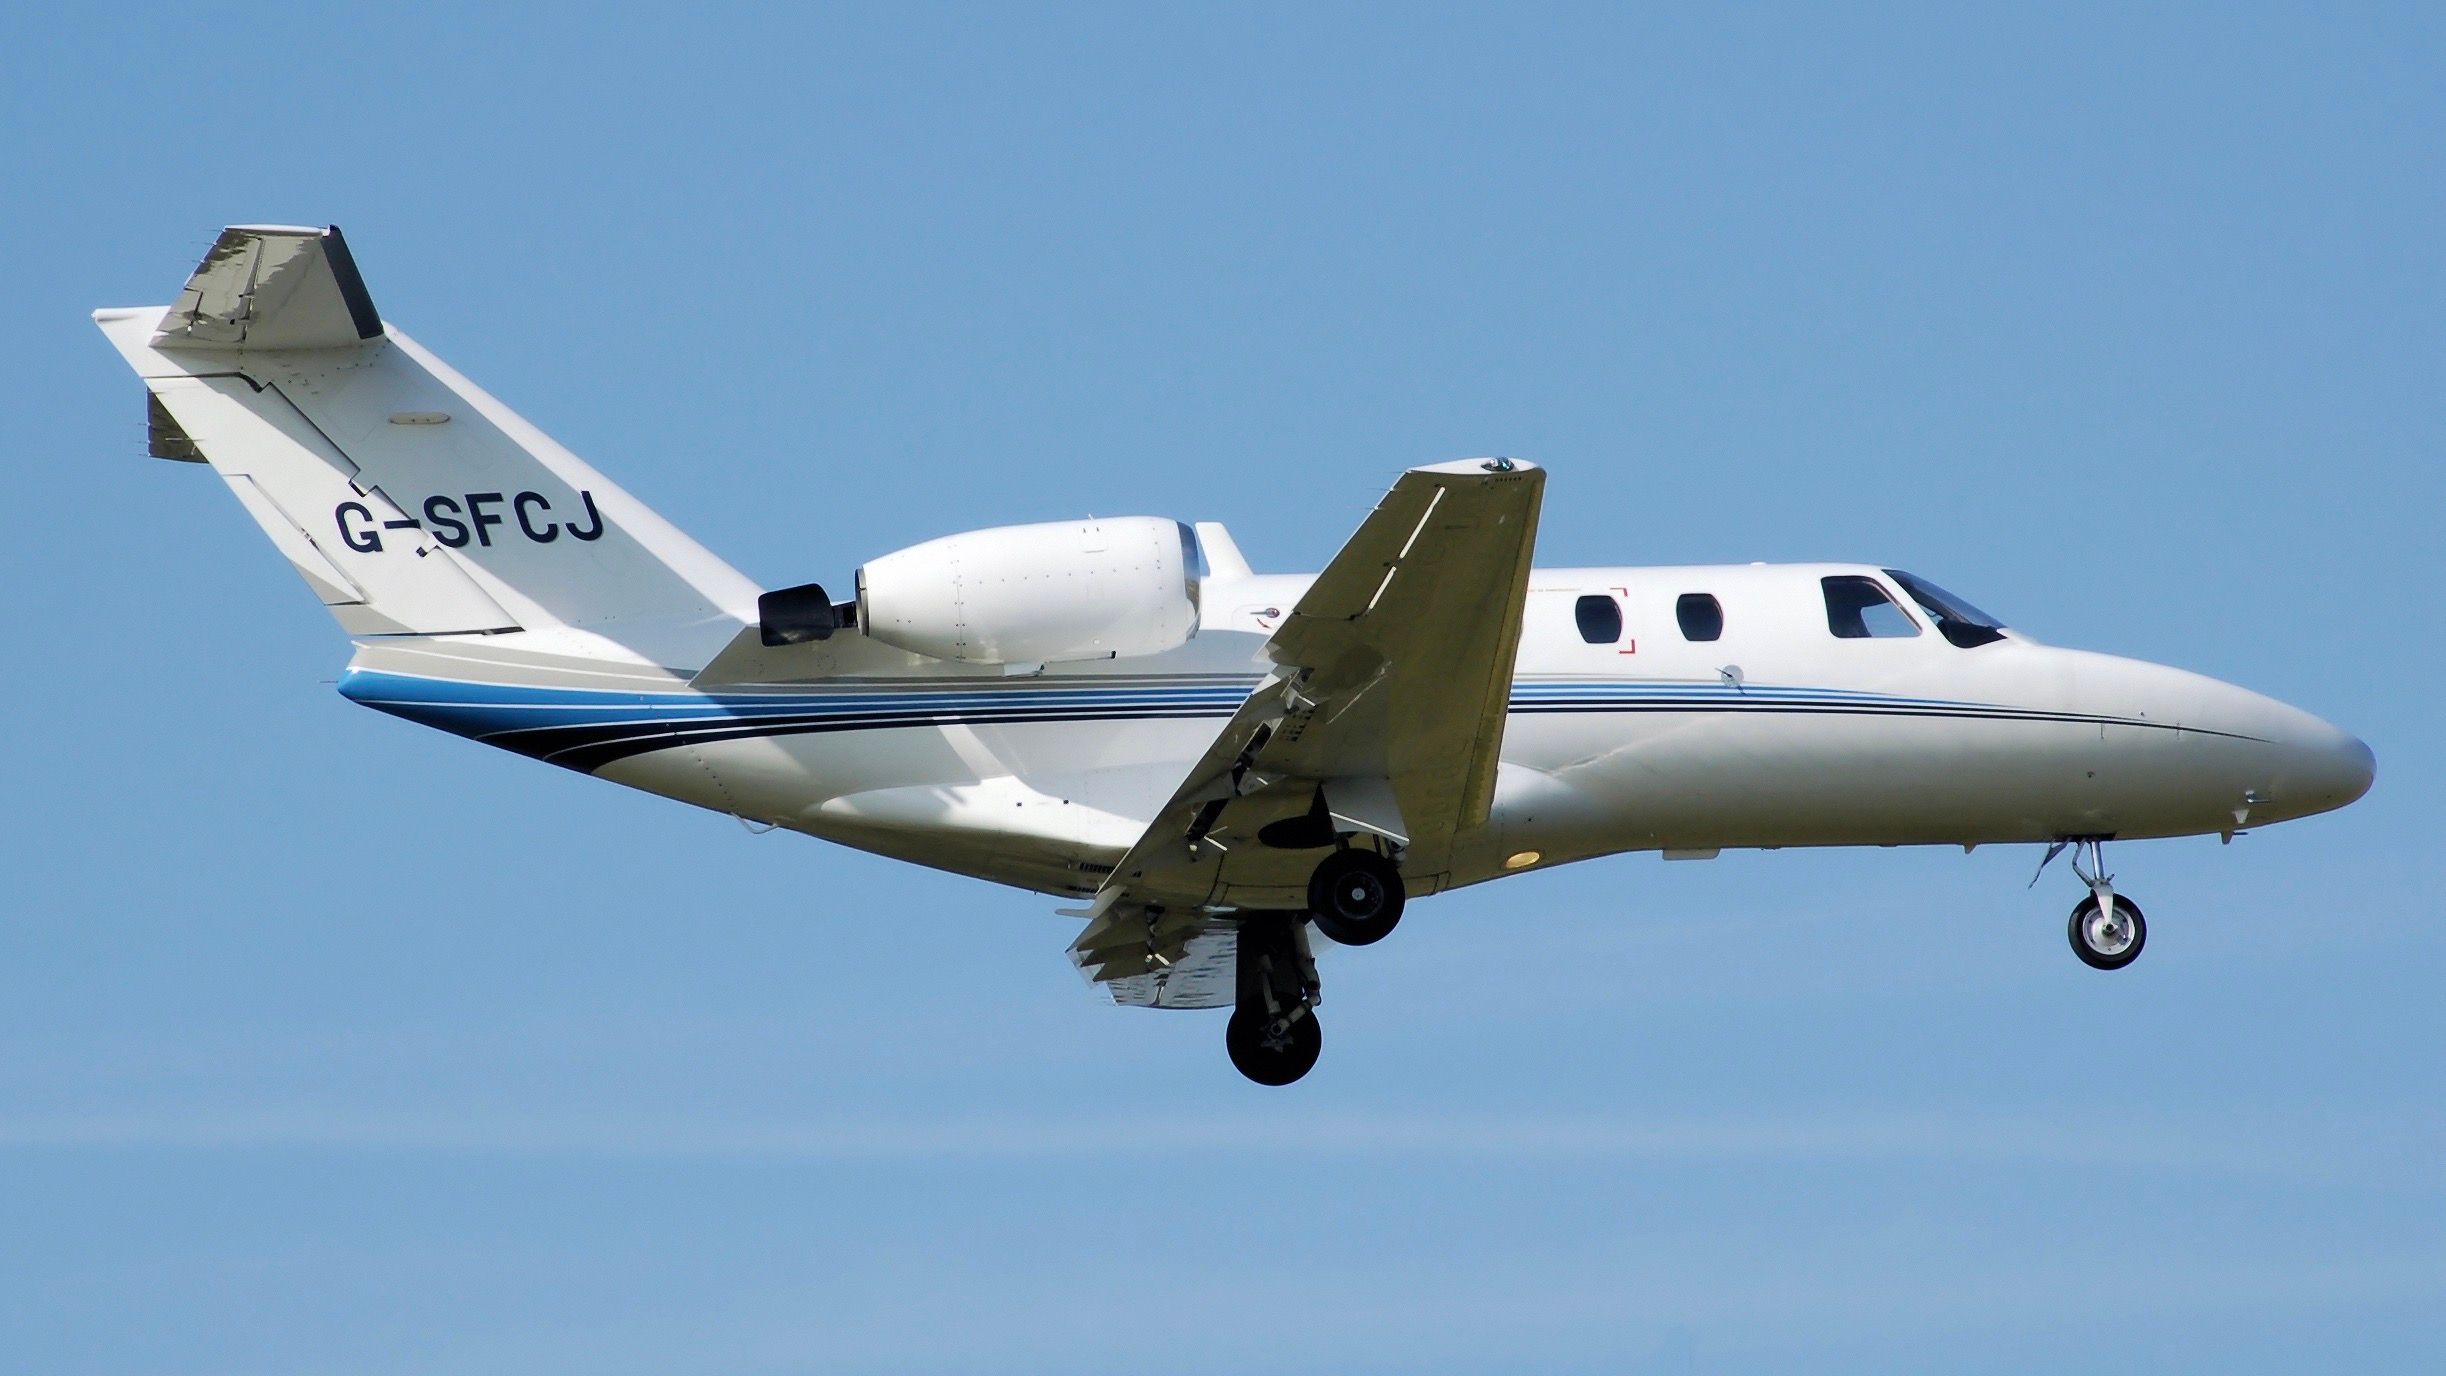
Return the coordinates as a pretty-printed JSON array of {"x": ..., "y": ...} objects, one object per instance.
[{"x": 587, "y": 748}]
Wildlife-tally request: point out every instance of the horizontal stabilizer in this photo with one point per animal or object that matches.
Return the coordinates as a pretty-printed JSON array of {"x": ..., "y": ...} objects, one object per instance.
[{"x": 272, "y": 287}]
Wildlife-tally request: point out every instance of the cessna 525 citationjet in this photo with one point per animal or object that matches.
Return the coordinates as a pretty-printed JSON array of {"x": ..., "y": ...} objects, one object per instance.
[{"x": 1212, "y": 765}]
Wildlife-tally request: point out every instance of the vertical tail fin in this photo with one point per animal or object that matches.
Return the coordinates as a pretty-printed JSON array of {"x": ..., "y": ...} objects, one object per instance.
[{"x": 412, "y": 502}]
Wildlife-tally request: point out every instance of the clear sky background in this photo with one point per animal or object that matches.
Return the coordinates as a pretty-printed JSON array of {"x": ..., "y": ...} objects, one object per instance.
[{"x": 332, "y": 1044}]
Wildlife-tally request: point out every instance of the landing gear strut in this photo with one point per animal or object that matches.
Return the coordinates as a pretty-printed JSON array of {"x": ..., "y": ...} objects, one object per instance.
[
  {"x": 1273, "y": 1036},
  {"x": 2107, "y": 930},
  {"x": 1355, "y": 897}
]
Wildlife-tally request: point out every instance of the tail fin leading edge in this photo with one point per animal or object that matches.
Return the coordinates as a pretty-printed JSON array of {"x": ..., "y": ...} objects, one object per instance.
[{"x": 410, "y": 501}]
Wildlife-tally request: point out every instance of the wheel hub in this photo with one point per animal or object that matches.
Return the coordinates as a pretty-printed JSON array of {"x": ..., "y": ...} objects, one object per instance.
[{"x": 2109, "y": 934}]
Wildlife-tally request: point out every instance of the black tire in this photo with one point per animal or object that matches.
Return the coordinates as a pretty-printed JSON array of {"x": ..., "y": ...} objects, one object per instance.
[
  {"x": 2106, "y": 955},
  {"x": 1302, "y": 1042},
  {"x": 1355, "y": 897}
]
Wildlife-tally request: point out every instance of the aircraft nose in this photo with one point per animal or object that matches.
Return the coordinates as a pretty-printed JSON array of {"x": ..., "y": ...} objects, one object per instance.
[
  {"x": 2242, "y": 755},
  {"x": 2329, "y": 766},
  {"x": 2313, "y": 766}
]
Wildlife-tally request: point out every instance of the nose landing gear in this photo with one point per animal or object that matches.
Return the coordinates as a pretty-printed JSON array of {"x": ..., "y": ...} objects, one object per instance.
[
  {"x": 2108, "y": 938},
  {"x": 2106, "y": 930}
]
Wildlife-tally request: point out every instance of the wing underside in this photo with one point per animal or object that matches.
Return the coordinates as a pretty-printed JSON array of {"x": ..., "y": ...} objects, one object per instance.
[{"x": 1382, "y": 716}]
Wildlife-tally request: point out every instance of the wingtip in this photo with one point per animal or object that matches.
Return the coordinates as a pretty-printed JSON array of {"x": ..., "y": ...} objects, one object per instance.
[{"x": 1489, "y": 465}]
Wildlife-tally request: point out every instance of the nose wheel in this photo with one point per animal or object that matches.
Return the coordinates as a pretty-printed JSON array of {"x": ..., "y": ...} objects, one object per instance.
[
  {"x": 2107, "y": 930},
  {"x": 2108, "y": 938}
]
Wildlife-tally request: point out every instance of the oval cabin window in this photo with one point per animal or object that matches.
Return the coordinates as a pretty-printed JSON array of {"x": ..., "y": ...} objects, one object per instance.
[
  {"x": 1600, "y": 619},
  {"x": 1701, "y": 617}
]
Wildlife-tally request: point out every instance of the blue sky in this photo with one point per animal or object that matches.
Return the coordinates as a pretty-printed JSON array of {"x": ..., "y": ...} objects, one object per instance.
[{"x": 327, "y": 1043}]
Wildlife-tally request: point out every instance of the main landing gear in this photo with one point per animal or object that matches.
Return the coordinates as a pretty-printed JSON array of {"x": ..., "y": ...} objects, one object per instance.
[
  {"x": 1274, "y": 1037},
  {"x": 1354, "y": 898},
  {"x": 2107, "y": 930}
]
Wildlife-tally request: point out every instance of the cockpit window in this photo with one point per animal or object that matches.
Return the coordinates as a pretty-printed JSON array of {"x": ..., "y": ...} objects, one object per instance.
[
  {"x": 1956, "y": 620},
  {"x": 1858, "y": 609},
  {"x": 1600, "y": 619},
  {"x": 1702, "y": 617}
]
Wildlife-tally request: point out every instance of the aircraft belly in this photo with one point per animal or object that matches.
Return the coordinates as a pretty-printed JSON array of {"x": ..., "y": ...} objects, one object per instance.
[{"x": 1047, "y": 806}]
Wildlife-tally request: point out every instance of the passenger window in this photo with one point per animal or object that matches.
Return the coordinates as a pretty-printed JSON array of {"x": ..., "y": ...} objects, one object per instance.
[
  {"x": 1600, "y": 619},
  {"x": 1858, "y": 609},
  {"x": 1701, "y": 617}
]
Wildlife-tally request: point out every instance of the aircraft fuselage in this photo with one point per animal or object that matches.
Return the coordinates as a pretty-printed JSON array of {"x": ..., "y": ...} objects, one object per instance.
[{"x": 1777, "y": 732}]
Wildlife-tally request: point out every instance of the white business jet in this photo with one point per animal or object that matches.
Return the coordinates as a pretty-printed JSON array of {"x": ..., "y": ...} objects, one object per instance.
[{"x": 1214, "y": 766}]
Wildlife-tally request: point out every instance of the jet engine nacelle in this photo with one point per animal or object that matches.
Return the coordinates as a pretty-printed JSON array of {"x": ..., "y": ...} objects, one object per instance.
[{"x": 1035, "y": 594}]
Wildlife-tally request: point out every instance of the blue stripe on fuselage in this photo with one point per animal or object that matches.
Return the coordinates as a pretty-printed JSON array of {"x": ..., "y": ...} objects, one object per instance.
[{"x": 586, "y": 728}]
